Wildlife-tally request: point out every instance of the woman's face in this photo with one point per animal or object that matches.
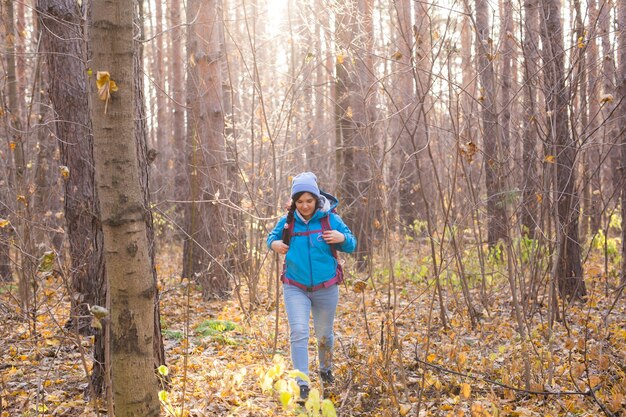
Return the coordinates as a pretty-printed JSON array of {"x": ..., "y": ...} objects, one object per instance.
[{"x": 306, "y": 205}]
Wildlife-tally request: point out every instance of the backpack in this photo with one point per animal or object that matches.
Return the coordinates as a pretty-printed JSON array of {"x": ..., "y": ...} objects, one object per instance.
[{"x": 338, "y": 279}]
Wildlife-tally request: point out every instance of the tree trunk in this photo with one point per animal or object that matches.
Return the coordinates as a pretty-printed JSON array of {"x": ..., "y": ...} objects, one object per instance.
[
  {"x": 405, "y": 124},
  {"x": 145, "y": 158},
  {"x": 177, "y": 140},
  {"x": 595, "y": 145},
  {"x": 62, "y": 38},
  {"x": 568, "y": 274},
  {"x": 608, "y": 133},
  {"x": 529, "y": 216},
  {"x": 492, "y": 141},
  {"x": 121, "y": 200},
  {"x": 25, "y": 267},
  {"x": 358, "y": 179},
  {"x": 621, "y": 94},
  {"x": 205, "y": 252}
]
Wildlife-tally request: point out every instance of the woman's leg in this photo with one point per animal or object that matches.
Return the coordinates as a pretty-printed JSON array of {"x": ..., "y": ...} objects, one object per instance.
[
  {"x": 298, "y": 307},
  {"x": 324, "y": 304}
]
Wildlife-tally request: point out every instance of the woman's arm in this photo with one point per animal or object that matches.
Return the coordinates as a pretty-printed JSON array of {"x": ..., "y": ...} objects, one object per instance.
[
  {"x": 349, "y": 243},
  {"x": 277, "y": 232}
]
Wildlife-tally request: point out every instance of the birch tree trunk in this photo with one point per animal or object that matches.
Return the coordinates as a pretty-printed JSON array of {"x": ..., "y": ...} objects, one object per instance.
[
  {"x": 121, "y": 200},
  {"x": 205, "y": 252},
  {"x": 568, "y": 273}
]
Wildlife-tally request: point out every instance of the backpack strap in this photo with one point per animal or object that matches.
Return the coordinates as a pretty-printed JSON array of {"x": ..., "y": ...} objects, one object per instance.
[{"x": 326, "y": 226}]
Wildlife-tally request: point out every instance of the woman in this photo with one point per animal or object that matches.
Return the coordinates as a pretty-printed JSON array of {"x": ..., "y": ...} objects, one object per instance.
[{"x": 309, "y": 236}]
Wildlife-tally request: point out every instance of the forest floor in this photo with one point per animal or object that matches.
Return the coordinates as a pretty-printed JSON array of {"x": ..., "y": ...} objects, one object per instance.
[{"x": 398, "y": 361}]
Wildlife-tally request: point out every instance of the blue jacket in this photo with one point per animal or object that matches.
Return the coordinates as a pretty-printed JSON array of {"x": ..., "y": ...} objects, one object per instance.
[{"x": 309, "y": 259}]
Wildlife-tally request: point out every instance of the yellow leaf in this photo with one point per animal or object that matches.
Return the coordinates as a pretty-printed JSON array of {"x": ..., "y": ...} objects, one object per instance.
[
  {"x": 581, "y": 42},
  {"x": 435, "y": 35},
  {"x": 163, "y": 396},
  {"x": 539, "y": 197},
  {"x": 65, "y": 171},
  {"x": 466, "y": 390},
  {"x": 328, "y": 408},
  {"x": 106, "y": 86},
  {"x": 461, "y": 359},
  {"x": 285, "y": 398},
  {"x": 431, "y": 357},
  {"x": 549, "y": 159},
  {"x": 22, "y": 199},
  {"x": 163, "y": 370},
  {"x": 340, "y": 58},
  {"x": 606, "y": 98},
  {"x": 298, "y": 374},
  {"x": 12, "y": 145},
  {"x": 404, "y": 409},
  {"x": 4, "y": 223}
]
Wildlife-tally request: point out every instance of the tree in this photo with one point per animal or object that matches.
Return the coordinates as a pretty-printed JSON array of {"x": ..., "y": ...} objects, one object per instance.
[
  {"x": 491, "y": 134},
  {"x": 357, "y": 177},
  {"x": 621, "y": 90},
  {"x": 63, "y": 41},
  {"x": 568, "y": 272},
  {"x": 130, "y": 278},
  {"x": 206, "y": 244},
  {"x": 529, "y": 216}
]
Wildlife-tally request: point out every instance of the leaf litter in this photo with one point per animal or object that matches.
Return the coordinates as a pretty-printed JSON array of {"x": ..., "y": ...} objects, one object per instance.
[{"x": 389, "y": 361}]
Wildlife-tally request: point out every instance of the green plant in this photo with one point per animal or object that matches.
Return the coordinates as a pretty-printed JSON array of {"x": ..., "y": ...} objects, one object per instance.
[
  {"x": 214, "y": 327},
  {"x": 173, "y": 334},
  {"x": 602, "y": 243}
]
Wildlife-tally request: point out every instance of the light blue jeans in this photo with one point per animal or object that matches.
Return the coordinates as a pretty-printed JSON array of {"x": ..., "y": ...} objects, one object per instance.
[{"x": 299, "y": 305}]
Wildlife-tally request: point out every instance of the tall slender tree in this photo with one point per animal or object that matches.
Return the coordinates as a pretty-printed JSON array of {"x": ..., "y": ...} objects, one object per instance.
[
  {"x": 129, "y": 271},
  {"x": 358, "y": 179},
  {"x": 63, "y": 41},
  {"x": 621, "y": 92},
  {"x": 529, "y": 216},
  {"x": 568, "y": 272},
  {"x": 206, "y": 246},
  {"x": 491, "y": 132}
]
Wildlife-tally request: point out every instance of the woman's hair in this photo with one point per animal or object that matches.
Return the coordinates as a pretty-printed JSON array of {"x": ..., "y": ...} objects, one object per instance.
[{"x": 290, "y": 214}]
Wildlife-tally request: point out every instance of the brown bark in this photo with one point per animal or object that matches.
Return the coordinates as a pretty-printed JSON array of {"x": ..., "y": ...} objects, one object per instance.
[
  {"x": 621, "y": 94},
  {"x": 596, "y": 147},
  {"x": 357, "y": 183},
  {"x": 177, "y": 139},
  {"x": 530, "y": 184},
  {"x": 145, "y": 157},
  {"x": 62, "y": 39},
  {"x": 491, "y": 134},
  {"x": 123, "y": 214},
  {"x": 205, "y": 252},
  {"x": 568, "y": 273}
]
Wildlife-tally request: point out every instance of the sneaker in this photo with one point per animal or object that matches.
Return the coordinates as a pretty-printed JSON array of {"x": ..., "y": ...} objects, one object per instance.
[
  {"x": 304, "y": 392},
  {"x": 327, "y": 377}
]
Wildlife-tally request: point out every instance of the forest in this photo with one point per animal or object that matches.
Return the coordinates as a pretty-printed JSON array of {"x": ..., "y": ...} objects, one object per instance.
[{"x": 477, "y": 149}]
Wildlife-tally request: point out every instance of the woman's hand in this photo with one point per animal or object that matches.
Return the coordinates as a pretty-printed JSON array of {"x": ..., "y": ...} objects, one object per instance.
[
  {"x": 279, "y": 247},
  {"x": 333, "y": 236}
]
